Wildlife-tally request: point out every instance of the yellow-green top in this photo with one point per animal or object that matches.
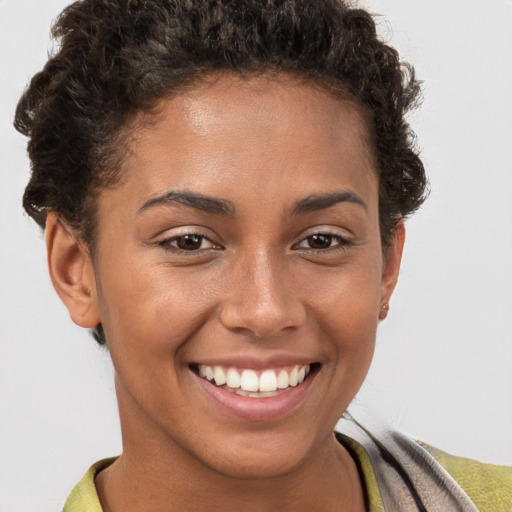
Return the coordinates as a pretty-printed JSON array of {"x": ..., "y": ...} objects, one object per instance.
[{"x": 488, "y": 486}]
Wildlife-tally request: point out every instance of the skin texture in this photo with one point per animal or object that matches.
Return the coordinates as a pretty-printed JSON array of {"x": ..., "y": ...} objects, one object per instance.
[{"x": 253, "y": 292}]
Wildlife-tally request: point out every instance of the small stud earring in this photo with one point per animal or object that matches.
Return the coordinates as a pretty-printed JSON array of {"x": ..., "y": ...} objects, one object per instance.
[{"x": 384, "y": 311}]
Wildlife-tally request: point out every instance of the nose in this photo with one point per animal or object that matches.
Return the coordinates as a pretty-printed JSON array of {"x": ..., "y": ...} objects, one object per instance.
[{"x": 261, "y": 299}]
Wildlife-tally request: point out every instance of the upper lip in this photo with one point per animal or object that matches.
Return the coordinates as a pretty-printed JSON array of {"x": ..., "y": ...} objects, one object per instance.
[{"x": 256, "y": 363}]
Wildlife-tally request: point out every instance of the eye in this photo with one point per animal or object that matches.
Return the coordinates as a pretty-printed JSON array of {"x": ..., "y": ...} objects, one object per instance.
[
  {"x": 323, "y": 241},
  {"x": 189, "y": 242}
]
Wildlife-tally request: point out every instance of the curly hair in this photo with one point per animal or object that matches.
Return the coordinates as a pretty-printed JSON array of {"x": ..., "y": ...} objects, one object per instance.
[{"x": 115, "y": 58}]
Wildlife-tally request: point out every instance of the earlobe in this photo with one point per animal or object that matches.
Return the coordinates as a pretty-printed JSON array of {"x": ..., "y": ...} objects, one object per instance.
[
  {"x": 71, "y": 272},
  {"x": 391, "y": 267}
]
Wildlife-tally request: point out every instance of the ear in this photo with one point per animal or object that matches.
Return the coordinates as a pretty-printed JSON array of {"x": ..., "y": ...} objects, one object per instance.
[
  {"x": 391, "y": 268},
  {"x": 72, "y": 272}
]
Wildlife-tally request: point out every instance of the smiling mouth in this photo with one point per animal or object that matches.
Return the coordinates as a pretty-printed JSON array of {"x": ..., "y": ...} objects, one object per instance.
[{"x": 255, "y": 384}]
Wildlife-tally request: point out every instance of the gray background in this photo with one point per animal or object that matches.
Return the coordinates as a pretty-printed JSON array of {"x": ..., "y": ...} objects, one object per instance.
[{"x": 442, "y": 370}]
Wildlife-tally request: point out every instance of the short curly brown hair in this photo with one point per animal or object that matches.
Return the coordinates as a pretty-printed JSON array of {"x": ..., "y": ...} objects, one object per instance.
[{"x": 118, "y": 57}]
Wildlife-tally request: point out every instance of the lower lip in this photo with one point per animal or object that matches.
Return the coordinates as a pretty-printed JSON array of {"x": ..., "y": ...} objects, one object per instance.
[{"x": 257, "y": 409}]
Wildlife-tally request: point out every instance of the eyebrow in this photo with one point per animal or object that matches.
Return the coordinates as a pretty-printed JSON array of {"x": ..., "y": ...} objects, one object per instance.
[
  {"x": 193, "y": 200},
  {"x": 218, "y": 206},
  {"x": 317, "y": 202}
]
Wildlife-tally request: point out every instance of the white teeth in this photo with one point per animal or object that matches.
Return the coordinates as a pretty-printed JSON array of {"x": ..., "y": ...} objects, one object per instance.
[
  {"x": 282, "y": 379},
  {"x": 268, "y": 381},
  {"x": 233, "y": 378},
  {"x": 293, "y": 379},
  {"x": 247, "y": 383},
  {"x": 249, "y": 380},
  {"x": 258, "y": 394},
  {"x": 219, "y": 376}
]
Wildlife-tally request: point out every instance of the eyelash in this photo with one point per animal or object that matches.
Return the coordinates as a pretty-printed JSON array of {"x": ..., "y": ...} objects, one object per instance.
[
  {"x": 341, "y": 245},
  {"x": 167, "y": 244}
]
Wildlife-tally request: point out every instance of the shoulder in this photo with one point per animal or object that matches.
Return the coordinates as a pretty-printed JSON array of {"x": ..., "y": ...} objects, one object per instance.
[{"x": 489, "y": 486}]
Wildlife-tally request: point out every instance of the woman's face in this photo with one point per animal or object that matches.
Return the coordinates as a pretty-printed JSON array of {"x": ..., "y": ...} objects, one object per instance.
[{"x": 242, "y": 244}]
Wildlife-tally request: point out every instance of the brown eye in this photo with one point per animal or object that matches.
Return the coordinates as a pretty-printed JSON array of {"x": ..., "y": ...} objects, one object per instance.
[
  {"x": 189, "y": 242},
  {"x": 324, "y": 242},
  {"x": 320, "y": 241}
]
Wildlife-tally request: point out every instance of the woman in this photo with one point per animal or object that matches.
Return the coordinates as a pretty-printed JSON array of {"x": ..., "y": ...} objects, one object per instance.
[{"x": 223, "y": 188}]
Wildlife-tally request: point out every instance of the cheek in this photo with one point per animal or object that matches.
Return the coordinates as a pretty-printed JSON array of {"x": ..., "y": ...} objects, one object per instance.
[
  {"x": 344, "y": 308},
  {"x": 156, "y": 310},
  {"x": 346, "y": 299},
  {"x": 350, "y": 323}
]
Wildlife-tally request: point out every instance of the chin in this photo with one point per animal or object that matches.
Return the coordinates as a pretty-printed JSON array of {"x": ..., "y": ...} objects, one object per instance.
[
  {"x": 260, "y": 457},
  {"x": 257, "y": 466}
]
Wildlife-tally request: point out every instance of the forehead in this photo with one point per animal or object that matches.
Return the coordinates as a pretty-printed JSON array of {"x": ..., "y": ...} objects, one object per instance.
[
  {"x": 271, "y": 103},
  {"x": 259, "y": 132},
  {"x": 263, "y": 99}
]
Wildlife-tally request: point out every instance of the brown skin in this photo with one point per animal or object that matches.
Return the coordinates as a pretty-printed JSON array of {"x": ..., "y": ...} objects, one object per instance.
[{"x": 255, "y": 286}]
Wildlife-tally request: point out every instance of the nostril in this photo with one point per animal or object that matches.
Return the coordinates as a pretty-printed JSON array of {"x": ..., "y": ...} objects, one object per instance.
[{"x": 262, "y": 321}]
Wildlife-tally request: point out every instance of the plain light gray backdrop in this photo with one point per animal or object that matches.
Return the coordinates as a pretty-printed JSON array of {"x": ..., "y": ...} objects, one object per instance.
[{"x": 443, "y": 366}]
